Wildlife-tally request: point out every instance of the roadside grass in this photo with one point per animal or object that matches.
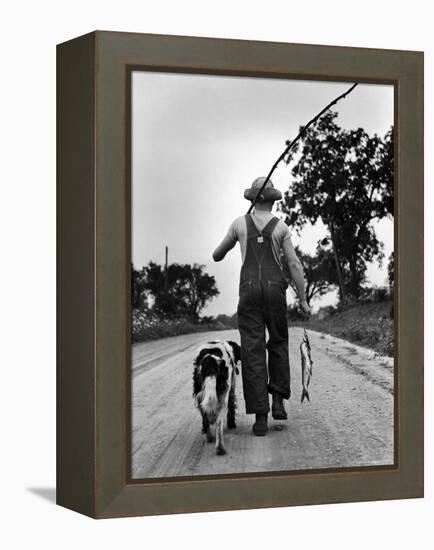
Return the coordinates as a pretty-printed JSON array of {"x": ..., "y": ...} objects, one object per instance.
[
  {"x": 147, "y": 327},
  {"x": 368, "y": 325}
]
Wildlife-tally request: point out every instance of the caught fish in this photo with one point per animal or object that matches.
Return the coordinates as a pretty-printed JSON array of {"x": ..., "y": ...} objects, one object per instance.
[{"x": 306, "y": 366}]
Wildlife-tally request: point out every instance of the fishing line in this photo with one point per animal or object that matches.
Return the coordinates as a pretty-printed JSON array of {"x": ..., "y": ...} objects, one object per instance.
[{"x": 290, "y": 145}]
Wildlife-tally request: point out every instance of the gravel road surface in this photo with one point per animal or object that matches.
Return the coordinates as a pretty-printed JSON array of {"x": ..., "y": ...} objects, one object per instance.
[{"x": 348, "y": 421}]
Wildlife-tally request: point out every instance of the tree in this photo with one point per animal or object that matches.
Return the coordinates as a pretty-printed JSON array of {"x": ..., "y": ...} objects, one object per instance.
[
  {"x": 391, "y": 271},
  {"x": 229, "y": 321},
  {"x": 138, "y": 288},
  {"x": 345, "y": 179},
  {"x": 319, "y": 272},
  {"x": 183, "y": 291}
]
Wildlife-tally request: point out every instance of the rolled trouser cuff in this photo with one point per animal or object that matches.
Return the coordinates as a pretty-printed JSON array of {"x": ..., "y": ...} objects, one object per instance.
[
  {"x": 257, "y": 411},
  {"x": 285, "y": 393}
]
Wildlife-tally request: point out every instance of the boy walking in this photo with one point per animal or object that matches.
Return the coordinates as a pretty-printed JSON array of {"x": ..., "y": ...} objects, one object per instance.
[{"x": 262, "y": 303}]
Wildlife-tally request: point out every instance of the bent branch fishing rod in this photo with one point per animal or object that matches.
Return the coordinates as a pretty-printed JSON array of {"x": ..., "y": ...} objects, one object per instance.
[{"x": 290, "y": 145}]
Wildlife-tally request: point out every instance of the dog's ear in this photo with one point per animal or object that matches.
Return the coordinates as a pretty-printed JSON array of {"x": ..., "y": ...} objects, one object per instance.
[
  {"x": 236, "y": 350},
  {"x": 197, "y": 381}
]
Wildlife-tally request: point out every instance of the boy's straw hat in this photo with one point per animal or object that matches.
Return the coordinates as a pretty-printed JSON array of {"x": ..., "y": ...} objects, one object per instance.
[{"x": 269, "y": 193}]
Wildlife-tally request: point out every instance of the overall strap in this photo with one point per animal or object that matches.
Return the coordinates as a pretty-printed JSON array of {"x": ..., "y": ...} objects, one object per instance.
[
  {"x": 269, "y": 228},
  {"x": 252, "y": 230}
]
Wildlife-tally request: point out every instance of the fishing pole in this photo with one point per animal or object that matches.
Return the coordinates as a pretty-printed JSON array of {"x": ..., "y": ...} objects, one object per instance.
[{"x": 290, "y": 145}]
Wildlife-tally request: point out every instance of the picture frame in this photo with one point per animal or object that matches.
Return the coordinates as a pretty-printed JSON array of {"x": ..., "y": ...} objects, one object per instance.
[{"x": 93, "y": 240}]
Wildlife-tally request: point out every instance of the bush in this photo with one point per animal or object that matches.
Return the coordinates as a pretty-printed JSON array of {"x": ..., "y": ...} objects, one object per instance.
[
  {"x": 367, "y": 324},
  {"x": 147, "y": 325},
  {"x": 376, "y": 294},
  {"x": 229, "y": 321},
  {"x": 324, "y": 312},
  {"x": 381, "y": 294}
]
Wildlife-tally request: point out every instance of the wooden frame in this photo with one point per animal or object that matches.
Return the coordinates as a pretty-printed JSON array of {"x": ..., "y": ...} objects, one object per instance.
[{"x": 93, "y": 273}]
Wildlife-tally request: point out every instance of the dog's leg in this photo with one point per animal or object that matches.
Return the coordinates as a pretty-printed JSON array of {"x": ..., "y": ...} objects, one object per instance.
[
  {"x": 232, "y": 406},
  {"x": 206, "y": 429},
  {"x": 220, "y": 446}
]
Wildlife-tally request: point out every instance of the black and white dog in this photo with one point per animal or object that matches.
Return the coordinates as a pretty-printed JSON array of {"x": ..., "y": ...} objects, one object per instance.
[{"x": 215, "y": 370}]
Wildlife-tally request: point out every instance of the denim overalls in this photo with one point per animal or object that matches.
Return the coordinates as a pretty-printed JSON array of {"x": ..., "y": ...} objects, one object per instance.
[{"x": 262, "y": 303}]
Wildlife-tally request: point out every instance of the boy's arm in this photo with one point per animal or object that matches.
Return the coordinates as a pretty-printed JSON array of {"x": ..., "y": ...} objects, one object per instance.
[
  {"x": 223, "y": 248},
  {"x": 296, "y": 270}
]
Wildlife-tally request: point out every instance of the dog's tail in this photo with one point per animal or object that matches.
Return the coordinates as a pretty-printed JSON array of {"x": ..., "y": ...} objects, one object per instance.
[{"x": 208, "y": 401}]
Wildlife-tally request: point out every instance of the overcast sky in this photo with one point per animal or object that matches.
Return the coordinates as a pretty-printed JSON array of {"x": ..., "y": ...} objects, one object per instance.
[{"x": 198, "y": 141}]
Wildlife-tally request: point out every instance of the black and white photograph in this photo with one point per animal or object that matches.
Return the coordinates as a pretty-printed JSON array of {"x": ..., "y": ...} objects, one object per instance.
[{"x": 262, "y": 275}]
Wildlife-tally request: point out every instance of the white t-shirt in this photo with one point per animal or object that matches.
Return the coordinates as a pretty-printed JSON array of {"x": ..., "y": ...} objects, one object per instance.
[{"x": 238, "y": 232}]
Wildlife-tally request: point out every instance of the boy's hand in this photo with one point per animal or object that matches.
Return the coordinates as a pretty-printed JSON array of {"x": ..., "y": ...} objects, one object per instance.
[{"x": 305, "y": 308}]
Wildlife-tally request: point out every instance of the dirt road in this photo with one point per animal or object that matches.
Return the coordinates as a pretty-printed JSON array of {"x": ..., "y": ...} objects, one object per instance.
[{"x": 348, "y": 422}]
